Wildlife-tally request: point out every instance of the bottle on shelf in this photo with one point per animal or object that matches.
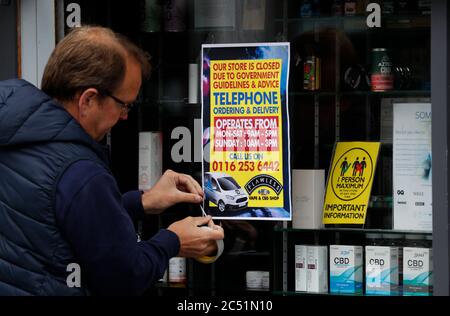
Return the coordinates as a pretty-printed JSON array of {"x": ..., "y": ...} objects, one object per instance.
[
  {"x": 350, "y": 7},
  {"x": 382, "y": 77},
  {"x": 177, "y": 271},
  {"x": 311, "y": 68}
]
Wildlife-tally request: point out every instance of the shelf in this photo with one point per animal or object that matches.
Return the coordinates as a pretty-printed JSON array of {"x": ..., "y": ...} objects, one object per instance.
[
  {"x": 392, "y": 93},
  {"x": 328, "y": 19},
  {"x": 164, "y": 285},
  {"x": 256, "y": 291},
  {"x": 200, "y": 30},
  {"x": 294, "y": 293},
  {"x": 408, "y": 21},
  {"x": 251, "y": 253},
  {"x": 397, "y": 93},
  {"x": 314, "y": 93},
  {"x": 388, "y": 21},
  {"x": 353, "y": 231}
]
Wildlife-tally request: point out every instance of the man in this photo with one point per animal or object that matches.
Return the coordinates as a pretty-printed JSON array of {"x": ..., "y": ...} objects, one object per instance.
[{"x": 59, "y": 203}]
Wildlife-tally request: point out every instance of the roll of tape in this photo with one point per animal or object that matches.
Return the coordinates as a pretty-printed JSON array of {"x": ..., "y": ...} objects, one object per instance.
[{"x": 211, "y": 259}]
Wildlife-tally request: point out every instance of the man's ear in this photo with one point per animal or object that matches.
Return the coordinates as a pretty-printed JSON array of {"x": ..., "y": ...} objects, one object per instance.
[{"x": 88, "y": 99}]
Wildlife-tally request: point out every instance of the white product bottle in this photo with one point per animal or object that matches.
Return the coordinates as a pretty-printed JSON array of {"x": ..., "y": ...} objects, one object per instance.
[{"x": 177, "y": 271}]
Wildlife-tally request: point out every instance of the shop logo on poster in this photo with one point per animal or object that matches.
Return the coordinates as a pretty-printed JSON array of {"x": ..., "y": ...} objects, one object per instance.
[{"x": 263, "y": 180}]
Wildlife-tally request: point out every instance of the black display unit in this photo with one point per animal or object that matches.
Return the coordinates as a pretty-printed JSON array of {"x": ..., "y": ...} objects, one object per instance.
[{"x": 342, "y": 107}]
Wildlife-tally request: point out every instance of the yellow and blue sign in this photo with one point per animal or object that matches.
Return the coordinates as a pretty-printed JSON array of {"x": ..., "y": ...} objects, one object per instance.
[
  {"x": 350, "y": 182},
  {"x": 246, "y": 131}
]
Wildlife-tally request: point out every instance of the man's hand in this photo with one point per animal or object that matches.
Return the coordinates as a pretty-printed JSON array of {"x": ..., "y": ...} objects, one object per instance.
[
  {"x": 197, "y": 241},
  {"x": 172, "y": 188}
]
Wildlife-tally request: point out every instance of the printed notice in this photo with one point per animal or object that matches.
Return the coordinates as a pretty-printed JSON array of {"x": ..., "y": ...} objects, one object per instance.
[
  {"x": 246, "y": 131},
  {"x": 412, "y": 196},
  {"x": 350, "y": 182}
]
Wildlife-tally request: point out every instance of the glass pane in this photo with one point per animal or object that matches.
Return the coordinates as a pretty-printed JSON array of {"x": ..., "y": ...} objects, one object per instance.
[{"x": 354, "y": 66}]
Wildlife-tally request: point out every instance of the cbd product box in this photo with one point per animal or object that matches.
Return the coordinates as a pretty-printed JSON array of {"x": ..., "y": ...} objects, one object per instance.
[
  {"x": 300, "y": 268},
  {"x": 257, "y": 280},
  {"x": 308, "y": 189},
  {"x": 417, "y": 271},
  {"x": 317, "y": 269},
  {"x": 150, "y": 159},
  {"x": 346, "y": 269},
  {"x": 381, "y": 270}
]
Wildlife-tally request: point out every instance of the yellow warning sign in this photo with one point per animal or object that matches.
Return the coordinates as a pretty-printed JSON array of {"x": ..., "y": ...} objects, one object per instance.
[{"x": 350, "y": 182}]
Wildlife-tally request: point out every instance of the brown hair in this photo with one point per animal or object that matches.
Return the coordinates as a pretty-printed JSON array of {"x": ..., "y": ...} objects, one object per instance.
[{"x": 90, "y": 57}]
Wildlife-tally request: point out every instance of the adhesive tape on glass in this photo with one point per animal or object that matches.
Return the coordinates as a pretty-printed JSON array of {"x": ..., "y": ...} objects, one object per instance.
[{"x": 211, "y": 259}]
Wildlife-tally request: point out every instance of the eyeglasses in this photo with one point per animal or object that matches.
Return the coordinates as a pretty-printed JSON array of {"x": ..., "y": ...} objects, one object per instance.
[{"x": 125, "y": 107}]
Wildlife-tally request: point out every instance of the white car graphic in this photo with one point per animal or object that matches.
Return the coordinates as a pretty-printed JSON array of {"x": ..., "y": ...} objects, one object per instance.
[{"x": 224, "y": 191}]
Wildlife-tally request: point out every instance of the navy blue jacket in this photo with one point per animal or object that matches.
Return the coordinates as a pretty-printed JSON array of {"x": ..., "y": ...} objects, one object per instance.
[{"x": 59, "y": 204}]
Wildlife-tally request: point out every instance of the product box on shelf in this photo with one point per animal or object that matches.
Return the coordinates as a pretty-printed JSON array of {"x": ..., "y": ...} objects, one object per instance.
[
  {"x": 300, "y": 268},
  {"x": 308, "y": 189},
  {"x": 381, "y": 270},
  {"x": 346, "y": 269},
  {"x": 150, "y": 159},
  {"x": 317, "y": 269},
  {"x": 257, "y": 280},
  {"x": 417, "y": 271}
]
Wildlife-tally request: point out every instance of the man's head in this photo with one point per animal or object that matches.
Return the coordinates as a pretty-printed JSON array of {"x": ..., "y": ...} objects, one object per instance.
[{"x": 96, "y": 74}]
